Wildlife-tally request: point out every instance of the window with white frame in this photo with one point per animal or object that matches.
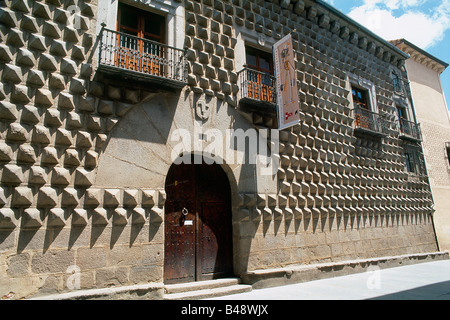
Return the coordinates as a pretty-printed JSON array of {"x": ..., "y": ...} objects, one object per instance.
[
  {"x": 254, "y": 63},
  {"x": 171, "y": 10},
  {"x": 144, "y": 39},
  {"x": 363, "y": 93},
  {"x": 363, "y": 100}
]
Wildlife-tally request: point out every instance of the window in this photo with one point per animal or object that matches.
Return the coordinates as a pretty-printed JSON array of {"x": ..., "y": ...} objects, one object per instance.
[
  {"x": 259, "y": 60},
  {"x": 401, "y": 112},
  {"x": 360, "y": 98},
  {"x": 260, "y": 83},
  {"x": 413, "y": 159},
  {"x": 397, "y": 83},
  {"x": 142, "y": 41},
  {"x": 141, "y": 23},
  {"x": 409, "y": 164},
  {"x": 402, "y": 117},
  {"x": 363, "y": 116},
  {"x": 136, "y": 53}
]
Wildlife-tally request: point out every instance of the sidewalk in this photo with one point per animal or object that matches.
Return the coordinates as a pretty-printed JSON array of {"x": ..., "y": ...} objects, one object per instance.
[{"x": 423, "y": 281}]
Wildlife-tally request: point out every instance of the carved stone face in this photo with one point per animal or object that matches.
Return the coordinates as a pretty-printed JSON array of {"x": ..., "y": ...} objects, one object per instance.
[{"x": 202, "y": 110}]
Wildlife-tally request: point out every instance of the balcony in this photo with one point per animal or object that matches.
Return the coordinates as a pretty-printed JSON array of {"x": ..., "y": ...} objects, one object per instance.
[
  {"x": 370, "y": 123},
  {"x": 409, "y": 130},
  {"x": 257, "y": 91},
  {"x": 134, "y": 58}
]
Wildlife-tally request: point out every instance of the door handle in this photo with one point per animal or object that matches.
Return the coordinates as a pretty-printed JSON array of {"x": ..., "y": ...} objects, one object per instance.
[{"x": 184, "y": 213}]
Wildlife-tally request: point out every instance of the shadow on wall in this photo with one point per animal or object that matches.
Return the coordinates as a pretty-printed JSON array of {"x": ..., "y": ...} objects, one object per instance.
[{"x": 139, "y": 153}]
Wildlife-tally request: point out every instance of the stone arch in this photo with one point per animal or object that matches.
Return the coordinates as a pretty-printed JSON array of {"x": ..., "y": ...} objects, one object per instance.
[
  {"x": 203, "y": 189},
  {"x": 133, "y": 166}
]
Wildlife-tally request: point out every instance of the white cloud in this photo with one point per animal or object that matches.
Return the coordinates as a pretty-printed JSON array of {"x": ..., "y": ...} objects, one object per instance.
[{"x": 422, "y": 22}]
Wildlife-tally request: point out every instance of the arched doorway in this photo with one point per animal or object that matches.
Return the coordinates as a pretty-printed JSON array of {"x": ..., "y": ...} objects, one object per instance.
[{"x": 198, "y": 229}]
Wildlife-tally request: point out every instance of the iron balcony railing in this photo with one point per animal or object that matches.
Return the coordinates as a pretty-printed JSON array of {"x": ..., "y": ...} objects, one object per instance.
[
  {"x": 401, "y": 86},
  {"x": 143, "y": 57},
  {"x": 370, "y": 122},
  {"x": 410, "y": 130},
  {"x": 257, "y": 86}
]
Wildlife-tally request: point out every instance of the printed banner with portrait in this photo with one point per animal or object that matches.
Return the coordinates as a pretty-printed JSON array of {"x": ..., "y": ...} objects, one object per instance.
[{"x": 286, "y": 84}]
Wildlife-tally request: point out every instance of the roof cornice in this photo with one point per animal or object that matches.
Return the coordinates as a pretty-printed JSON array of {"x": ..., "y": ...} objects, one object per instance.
[
  {"x": 328, "y": 17},
  {"x": 361, "y": 29},
  {"x": 421, "y": 56}
]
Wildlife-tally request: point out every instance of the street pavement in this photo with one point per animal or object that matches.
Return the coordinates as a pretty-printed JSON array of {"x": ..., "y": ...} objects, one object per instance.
[{"x": 422, "y": 281}]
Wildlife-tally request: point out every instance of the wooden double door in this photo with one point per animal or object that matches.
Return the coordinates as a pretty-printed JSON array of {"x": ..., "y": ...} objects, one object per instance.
[{"x": 198, "y": 230}]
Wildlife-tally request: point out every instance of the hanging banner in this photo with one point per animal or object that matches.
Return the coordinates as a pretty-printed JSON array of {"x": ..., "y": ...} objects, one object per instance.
[{"x": 286, "y": 84}]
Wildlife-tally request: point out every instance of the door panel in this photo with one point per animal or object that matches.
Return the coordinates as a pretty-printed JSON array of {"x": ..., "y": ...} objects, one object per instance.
[
  {"x": 180, "y": 255},
  {"x": 198, "y": 234},
  {"x": 180, "y": 242},
  {"x": 215, "y": 241}
]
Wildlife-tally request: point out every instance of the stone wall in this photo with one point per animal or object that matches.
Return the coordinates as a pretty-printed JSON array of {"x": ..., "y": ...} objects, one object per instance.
[
  {"x": 432, "y": 113},
  {"x": 55, "y": 124},
  {"x": 435, "y": 136},
  {"x": 70, "y": 148}
]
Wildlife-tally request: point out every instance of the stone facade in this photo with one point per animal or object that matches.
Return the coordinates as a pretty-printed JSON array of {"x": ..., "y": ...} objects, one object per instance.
[
  {"x": 424, "y": 73},
  {"x": 84, "y": 157}
]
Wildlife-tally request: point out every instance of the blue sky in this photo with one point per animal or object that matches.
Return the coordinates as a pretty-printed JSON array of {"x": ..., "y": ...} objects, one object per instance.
[{"x": 425, "y": 23}]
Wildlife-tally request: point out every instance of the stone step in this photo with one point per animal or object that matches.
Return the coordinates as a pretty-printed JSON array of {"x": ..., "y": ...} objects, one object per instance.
[
  {"x": 208, "y": 293},
  {"x": 199, "y": 285},
  {"x": 204, "y": 289}
]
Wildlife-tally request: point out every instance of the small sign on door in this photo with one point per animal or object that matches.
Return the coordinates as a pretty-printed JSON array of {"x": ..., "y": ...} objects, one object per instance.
[{"x": 188, "y": 222}]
